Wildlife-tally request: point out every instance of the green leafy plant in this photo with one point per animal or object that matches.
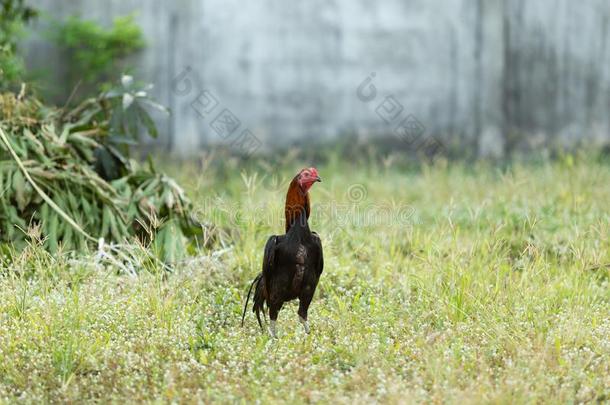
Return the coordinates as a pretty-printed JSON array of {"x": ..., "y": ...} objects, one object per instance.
[
  {"x": 14, "y": 14},
  {"x": 95, "y": 53},
  {"x": 66, "y": 177}
]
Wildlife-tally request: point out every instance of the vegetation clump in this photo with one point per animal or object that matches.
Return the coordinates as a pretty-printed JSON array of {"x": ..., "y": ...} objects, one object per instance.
[
  {"x": 14, "y": 15},
  {"x": 67, "y": 175},
  {"x": 93, "y": 53}
]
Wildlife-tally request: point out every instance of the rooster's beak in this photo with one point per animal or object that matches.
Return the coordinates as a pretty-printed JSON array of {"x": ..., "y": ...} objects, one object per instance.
[{"x": 318, "y": 179}]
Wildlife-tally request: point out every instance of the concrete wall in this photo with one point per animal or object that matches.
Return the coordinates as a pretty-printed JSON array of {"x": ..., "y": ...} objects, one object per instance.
[{"x": 487, "y": 75}]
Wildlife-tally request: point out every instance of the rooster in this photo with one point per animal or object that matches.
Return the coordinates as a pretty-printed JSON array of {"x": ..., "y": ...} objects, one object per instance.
[{"x": 293, "y": 262}]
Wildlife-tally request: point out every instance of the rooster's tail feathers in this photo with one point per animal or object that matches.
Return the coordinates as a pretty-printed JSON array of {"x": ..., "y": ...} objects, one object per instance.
[
  {"x": 256, "y": 281},
  {"x": 259, "y": 299}
]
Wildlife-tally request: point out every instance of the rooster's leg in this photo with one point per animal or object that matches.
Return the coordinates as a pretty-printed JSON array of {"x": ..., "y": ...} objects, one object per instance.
[
  {"x": 305, "y": 324},
  {"x": 303, "y": 308},
  {"x": 273, "y": 312},
  {"x": 272, "y": 329}
]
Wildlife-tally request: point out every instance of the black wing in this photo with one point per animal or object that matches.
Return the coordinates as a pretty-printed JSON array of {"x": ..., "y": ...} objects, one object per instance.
[{"x": 269, "y": 256}]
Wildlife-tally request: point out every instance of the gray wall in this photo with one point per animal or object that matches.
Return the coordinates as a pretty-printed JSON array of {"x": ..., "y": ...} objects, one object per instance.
[{"x": 487, "y": 75}]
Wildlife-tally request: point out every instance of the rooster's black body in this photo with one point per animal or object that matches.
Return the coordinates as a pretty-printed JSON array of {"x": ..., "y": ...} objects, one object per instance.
[{"x": 292, "y": 265}]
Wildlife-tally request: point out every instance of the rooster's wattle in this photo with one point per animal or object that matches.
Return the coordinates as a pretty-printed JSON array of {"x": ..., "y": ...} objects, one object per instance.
[{"x": 293, "y": 262}]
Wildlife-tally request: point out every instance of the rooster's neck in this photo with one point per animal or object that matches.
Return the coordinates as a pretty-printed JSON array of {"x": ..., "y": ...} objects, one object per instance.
[{"x": 297, "y": 202}]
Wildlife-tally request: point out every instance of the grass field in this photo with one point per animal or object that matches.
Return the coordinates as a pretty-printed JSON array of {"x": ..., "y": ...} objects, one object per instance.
[{"x": 443, "y": 283}]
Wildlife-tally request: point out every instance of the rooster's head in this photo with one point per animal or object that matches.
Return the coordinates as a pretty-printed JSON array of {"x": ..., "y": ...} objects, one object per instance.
[{"x": 307, "y": 177}]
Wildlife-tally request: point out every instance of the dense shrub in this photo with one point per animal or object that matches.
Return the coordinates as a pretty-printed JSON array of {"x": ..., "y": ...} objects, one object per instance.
[
  {"x": 14, "y": 14},
  {"x": 94, "y": 54}
]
